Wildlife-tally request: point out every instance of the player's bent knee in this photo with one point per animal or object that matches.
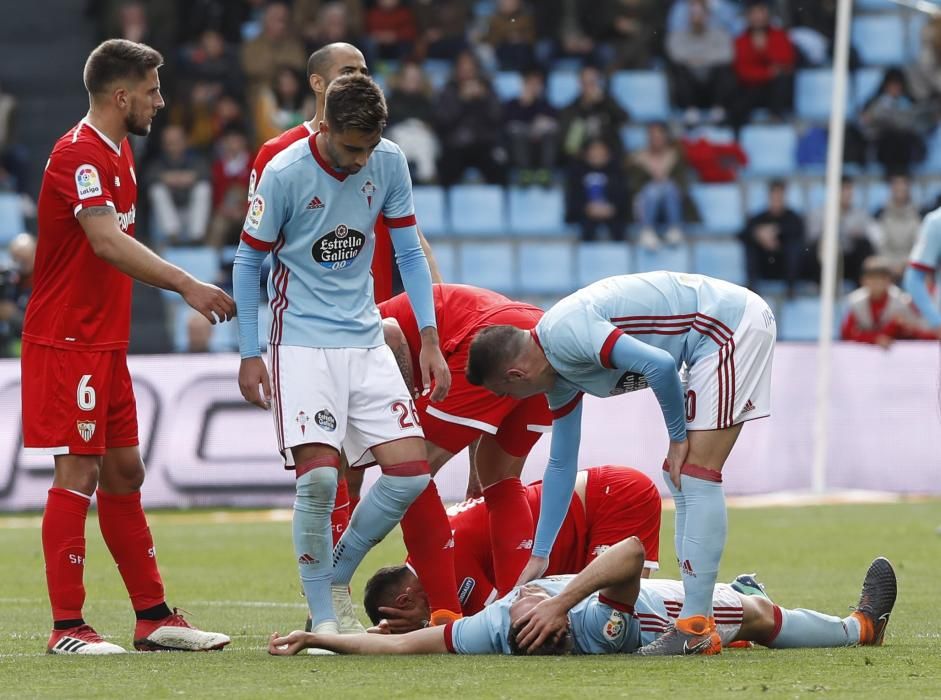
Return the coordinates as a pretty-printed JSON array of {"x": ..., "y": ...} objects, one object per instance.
[{"x": 318, "y": 484}]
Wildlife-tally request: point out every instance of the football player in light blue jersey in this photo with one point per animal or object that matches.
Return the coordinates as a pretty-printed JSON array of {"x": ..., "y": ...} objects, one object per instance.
[
  {"x": 334, "y": 384},
  {"x": 923, "y": 265},
  {"x": 609, "y": 609},
  {"x": 628, "y": 333}
]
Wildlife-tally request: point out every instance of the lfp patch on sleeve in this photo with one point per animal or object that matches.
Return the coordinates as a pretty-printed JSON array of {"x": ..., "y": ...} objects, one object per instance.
[
  {"x": 614, "y": 627},
  {"x": 256, "y": 211},
  {"x": 87, "y": 181}
]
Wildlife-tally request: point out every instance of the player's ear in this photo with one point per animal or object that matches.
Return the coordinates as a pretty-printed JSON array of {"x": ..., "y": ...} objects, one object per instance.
[
  {"x": 121, "y": 97},
  {"x": 514, "y": 375},
  {"x": 317, "y": 83}
]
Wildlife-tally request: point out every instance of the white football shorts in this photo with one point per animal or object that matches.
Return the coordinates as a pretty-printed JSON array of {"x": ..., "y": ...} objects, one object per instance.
[
  {"x": 733, "y": 384},
  {"x": 349, "y": 398}
]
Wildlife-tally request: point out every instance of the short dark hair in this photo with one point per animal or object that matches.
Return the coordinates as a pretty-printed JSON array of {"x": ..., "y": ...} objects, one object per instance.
[
  {"x": 380, "y": 589},
  {"x": 561, "y": 647},
  {"x": 118, "y": 59},
  {"x": 490, "y": 351},
  {"x": 319, "y": 61},
  {"x": 777, "y": 184},
  {"x": 356, "y": 102}
]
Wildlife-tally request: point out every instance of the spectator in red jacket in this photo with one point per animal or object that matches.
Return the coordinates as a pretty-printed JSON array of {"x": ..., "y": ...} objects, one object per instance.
[
  {"x": 879, "y": 312},
  {"x": 230, "y": 173},
  {"x": 764, "y": 64},
  {"x": 392, "y": 27}
]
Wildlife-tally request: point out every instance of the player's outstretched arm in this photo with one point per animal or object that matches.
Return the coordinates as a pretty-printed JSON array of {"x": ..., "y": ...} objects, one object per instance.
[
  {"x": 136, "y": 260},
  {"x": 615, "y": 574},
  {"x": 429, "y": 640},
  {"x": 557, "y": 487}
]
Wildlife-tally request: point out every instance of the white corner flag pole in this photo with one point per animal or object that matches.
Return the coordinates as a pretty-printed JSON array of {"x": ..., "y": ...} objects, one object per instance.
[{"x": 830, "y": 242}]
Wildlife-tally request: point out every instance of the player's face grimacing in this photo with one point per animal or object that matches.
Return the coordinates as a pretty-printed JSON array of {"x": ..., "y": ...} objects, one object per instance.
[
  {"x": 349, "y": 150},
  {"x": 143, "y": 102}
]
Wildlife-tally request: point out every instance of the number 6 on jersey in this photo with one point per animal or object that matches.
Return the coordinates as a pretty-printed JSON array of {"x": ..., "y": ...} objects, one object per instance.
[{"x": 85, "y": 394}]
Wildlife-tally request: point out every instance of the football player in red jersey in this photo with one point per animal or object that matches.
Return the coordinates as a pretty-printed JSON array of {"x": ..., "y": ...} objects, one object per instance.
[
  {"x": 610, "y": 504},
  {"x": 78, "y": 401}
]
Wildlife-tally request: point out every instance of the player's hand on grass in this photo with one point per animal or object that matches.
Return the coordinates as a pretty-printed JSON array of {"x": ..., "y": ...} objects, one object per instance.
[
  {"x": 535, "y": 568},
  {"x": 401, "y": 620},
  {"x": 252, "y": 375},
  {"x": 676, "y": 458},
  {"x": 208, "y": 300},
  {"x": 289, "y": 645},
  {"x": 433, "y": 366},
  {"x": 547, "y": 622}
]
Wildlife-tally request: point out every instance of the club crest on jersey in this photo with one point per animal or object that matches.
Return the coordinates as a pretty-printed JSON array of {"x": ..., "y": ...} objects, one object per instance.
[
  {"x": 86, "y": 428},
  {"x": 629, "y": 381},
  {"x": 256, "y": 211},
  {"x": 368, "y": 190},
  {"x": 302, "y": 420},
  {"x": 339, "y": 248},
  {"x": 326, "y": 420},
  {"x": 87, "y": 181},
  {"x": 614, "y": 627}
]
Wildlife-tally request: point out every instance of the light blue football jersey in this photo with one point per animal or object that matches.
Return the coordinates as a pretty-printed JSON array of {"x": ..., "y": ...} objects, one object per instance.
[
  {"x": 318, "y": 224},
  {"x": 926, "y": 253},
  {"x": 596, "y": 628},
  {"x": 689, "y": 316}
]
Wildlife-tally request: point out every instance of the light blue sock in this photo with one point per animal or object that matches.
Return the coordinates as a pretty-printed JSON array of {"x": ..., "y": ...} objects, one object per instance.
[
  {"x": 703, "y": 542},
  {"x": 679, "y": 505},
  {"x": 313, "y": 541},
  {"x": 379, "y": 512},
  {"x": 808, "y": 628}
]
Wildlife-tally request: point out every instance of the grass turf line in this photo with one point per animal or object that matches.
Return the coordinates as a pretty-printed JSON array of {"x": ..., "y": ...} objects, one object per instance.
[{"x": 810, "y": 557}]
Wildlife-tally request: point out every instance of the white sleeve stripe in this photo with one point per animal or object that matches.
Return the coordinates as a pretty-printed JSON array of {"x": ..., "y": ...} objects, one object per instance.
[{"x": 533, "y": 428}]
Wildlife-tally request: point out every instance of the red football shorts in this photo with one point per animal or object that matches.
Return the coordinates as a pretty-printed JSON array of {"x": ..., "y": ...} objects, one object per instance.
[
  {"x": 621, "y": 502},
  {"x": 470, "y": 411},
  {"x": 76, "y": 402}
]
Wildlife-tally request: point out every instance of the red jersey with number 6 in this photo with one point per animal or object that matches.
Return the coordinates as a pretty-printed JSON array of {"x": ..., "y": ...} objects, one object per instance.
[{"x": 79, "y": 301}]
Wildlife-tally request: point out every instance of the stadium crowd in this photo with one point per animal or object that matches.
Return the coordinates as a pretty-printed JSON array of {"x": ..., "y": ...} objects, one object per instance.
[{"x": 473, "y": 97}]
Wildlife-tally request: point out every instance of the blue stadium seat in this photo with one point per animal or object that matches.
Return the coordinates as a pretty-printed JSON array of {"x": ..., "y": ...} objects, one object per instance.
[
  {"x": 915, "y": 26},
  {"x": 633, "y": 137},
  {"x": 446, "y": 257},
  {"x": 865, "y": 83},
  {"x": 800, "y": 319},
  {"x": 927, "y": 193},
  {"x": 537, "y": 211},
  {"x": 477, "y": 209},
  {"x": 488, "y": 265},
  {"x": 720, "y": 206},
  {"x": 722, "y": 259},
  {"x": 545, "y": 268},
  {"x": 673, "y": 258},
  {"x": 201, "y": 262},
  {"x": 11, "y": 217},
  {"x": 223, "y": 337},
  {"x": 771, "y": 149},
  {"x": 430, "y": 209},
  {"x": 813, "y": 94},
  {"x": 932, "y": 163},
  {"x": 508, "y": 85},
  {"x": 880, "y": 39},
  {"x": 595, "y": 261},
  {"x": 756, "y": 196},
  {"x": 562, "y": 88},
  {"x": 642, "y": 93},
  {"x": 874, "y": 5},
  {"x": 816, "y": 195},
  {"x": 438, "y": 71},
  {"x": 877, "y": 194}
]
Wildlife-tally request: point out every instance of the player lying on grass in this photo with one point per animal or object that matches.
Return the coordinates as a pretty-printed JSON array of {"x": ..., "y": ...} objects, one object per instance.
[
  {"x": 608, "y": 609},
  {"x": 610, "y": 504}
]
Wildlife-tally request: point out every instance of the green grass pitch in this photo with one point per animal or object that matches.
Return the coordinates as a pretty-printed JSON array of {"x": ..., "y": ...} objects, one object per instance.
[{"x": 239, "y": 578}]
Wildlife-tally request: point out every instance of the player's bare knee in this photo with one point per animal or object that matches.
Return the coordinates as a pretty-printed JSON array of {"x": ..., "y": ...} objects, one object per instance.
[{"x": 77, "y": 473}]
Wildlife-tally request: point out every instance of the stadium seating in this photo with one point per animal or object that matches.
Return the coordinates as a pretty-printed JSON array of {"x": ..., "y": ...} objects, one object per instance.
[
  {"x": 642, "y": 93},
  {"x": 545, "y": 268},
  {"x": 508, "y": 85},
  {"x": 562, "y": 88},
  {"x": 756, "y": 196},
  {"x": 446, "y": 256},
  {"x": 438, "y": 71},
  {"x": 489, "y": 265},
  {"x": 813, "y": 94},
  {"x": 201, "y": 262},
  {"x": 865, "y": 83},
  {"x": 673, "y": 258},
  {"x": 799, "y": 319},
  {"x": 537, "y": 211},
  {"x": 720, "y": 206},
  {"x": 932, "y": 163},
  {"x": 633, "y": 137},
  {"x": 771, "y": 149},
  {"x": 430, "y": 209},
  {"x": 877, "y": 194},
  {"x": 477, "y": 209},
  {"x": 880, "y": 39},
  {"x": 595, "y": 261},
  {"x": 11, "y": 217},
  {"x": 722, "y": 259}
]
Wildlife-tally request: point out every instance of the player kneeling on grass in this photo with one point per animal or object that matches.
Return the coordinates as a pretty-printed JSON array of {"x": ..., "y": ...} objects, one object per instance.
[{"x": 609, "y": 609}]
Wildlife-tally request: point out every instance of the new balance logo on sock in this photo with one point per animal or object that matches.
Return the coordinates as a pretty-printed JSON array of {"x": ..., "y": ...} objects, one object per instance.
[
  {"x": 305, "y": 558},
  {"x": 749, "y": 406},
  {"x": 687, "y": 569},
  {"x": 315, "y": 203},
  {"x": 525, "y": 544}
]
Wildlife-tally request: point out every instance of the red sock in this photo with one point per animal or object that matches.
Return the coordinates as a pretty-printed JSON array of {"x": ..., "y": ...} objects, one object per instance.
[
  {"x": 427, "y": 533},
  {"x": 511, "y": 530},
  {"x": 124, "y": 527},
  {"x": 63, "y": 546},
  {"x": 354, "y": 501},
  {"x": 340, "y": 518}
]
